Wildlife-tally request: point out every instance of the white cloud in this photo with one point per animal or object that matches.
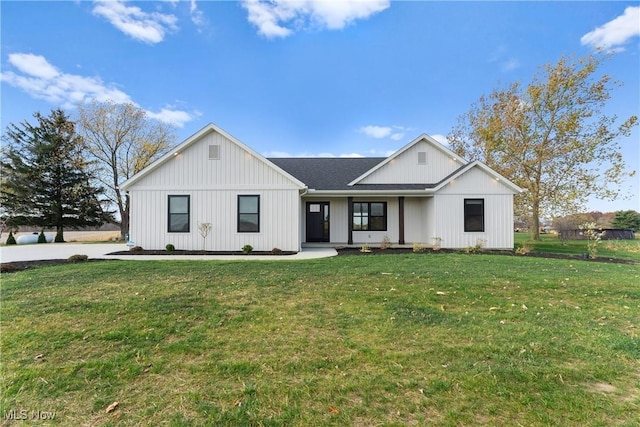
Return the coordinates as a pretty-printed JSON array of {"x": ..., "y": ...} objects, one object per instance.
[
  {"x": 274, "y": 18},
  {"x": 510, "y": 64},
  {"x": 197, "y": 17},
  {"x": 131, "y": 20},
  {"x": 175, "y": 117},
  {"x": 441, "y": 139},
  {"x": 615, "y": 33},
  {"x": 42, "y": 80},
  {"x": 396, "y": 133},
  {"x": 377, "y": 132}
]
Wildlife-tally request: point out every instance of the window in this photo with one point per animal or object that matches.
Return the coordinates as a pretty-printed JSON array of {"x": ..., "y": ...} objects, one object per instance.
[
  {"x": 473, "y": 215},
  {"x": 179, "y": 214},
  {"x": 248, "y": 214},
  {"x": 369, "y": 216}
]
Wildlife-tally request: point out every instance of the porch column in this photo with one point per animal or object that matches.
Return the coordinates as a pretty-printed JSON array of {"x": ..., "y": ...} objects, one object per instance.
[
  {"x": 401, "y": 220},
  {"x": 350, "y": 220}
]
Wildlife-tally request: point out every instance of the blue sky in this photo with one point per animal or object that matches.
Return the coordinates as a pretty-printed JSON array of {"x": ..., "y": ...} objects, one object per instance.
[{"x": 307, "y": 77}]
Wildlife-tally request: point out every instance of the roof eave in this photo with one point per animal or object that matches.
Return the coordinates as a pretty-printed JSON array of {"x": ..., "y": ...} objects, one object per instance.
[{"x": 343, "y": 193}]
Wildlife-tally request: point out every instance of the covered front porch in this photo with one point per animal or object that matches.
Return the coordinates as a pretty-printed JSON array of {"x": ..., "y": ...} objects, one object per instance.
[{"x": 374, "y": 220}]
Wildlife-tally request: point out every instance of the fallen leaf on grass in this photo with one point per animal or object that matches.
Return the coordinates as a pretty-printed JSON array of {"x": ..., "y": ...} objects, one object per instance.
[
  {"x": 112, "y": 407},
  {"x": 333, "y": 410}
]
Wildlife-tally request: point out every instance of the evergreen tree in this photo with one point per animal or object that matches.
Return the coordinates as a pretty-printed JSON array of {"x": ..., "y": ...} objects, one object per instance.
[
  {"x": 627, "y": 219},
  {"x": 46, "y": 181}
]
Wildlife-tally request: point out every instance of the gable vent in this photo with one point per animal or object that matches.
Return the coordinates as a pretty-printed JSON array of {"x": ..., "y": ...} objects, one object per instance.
[
  {"x": 214, "y": 152},
  {"x": 422, "y": 157}
]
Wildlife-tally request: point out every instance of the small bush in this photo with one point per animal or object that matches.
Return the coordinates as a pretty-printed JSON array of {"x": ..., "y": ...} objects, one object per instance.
[
  {"x": 417, "y": 248},
  {"x": 77, "y": 258},
  {"x": 480, "y": 244},
  {"x": 42, "y": 238},
  {"x": 365, "y": 248},
  {"x": 437, "y": 243},
  {"x": 11, "y": 240},
  {"x": 170, "y": 247},
  {"x": 386, "y": 242},
  {"x": 276, "y": 251},
  {"x": 247, "y": 248},
  {"x": 135, "y": 249},
  {"x": 524, "y": 249},
  {"x": 7, "y": 267}
]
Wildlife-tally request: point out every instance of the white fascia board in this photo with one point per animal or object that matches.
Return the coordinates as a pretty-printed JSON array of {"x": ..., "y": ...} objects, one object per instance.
[
  {"x": 377, "y": 193},
  {"x": 196, "y": 137},
  {"x": 426, "y": 138},
  {"x": 509, "y": 184}
]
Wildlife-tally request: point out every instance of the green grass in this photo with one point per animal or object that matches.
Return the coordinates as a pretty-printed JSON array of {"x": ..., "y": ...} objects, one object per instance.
[
  {"x": 436, "y": 339},
  {"x": 550, "y": 243}
]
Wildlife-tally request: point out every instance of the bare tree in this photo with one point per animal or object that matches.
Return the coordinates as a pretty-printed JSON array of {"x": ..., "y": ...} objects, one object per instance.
[{"x": 124, "y": 141}]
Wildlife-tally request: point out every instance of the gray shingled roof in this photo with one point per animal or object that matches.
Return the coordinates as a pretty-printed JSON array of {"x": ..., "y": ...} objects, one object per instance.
[{"x": 331, "y": 173}]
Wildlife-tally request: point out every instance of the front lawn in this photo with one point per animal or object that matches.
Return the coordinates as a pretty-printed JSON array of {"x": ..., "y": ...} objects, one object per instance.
[
  {"x": 551, "y": 243},
  {"x": 406, "y": 339}
]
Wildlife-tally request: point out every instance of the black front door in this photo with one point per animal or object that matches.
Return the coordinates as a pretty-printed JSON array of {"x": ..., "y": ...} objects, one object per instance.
[{"x": 317, "y": 221}]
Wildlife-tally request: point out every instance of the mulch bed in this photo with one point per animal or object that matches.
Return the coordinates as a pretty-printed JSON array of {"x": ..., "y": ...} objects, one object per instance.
[
  {"x": 357, "y": 251},
  {"x": 183, "y": 252},
  {"x": 10, "y": 267}
]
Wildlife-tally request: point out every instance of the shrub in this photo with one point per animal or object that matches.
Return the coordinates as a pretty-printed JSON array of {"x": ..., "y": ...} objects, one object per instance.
[
  {"x": 7, "y": 267},
  {"x": 170, "y": 247},
  {"x": 479, "y": 246},
  {"x": 386, "y": 242},
  {"x": 524, "y": 249},
  {"x": 417, "y": 248},
  {"x": 276, "y": 251},
  {"x": 365, "y": 248},
  {"x": 77, "y": 258},
  {"x": 42, "y": 238},
  {"x": 437, "y": 243},
  {"x": 247, "y": 248},
  {"x": 136, "y": 249},
  {"x": 594, "y": 236},
  {"x": 11, "y": 240}
]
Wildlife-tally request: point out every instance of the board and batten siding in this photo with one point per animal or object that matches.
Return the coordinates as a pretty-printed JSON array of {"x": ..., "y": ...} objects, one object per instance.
[
  {"x": 213, "y": 186},
  {"x": 406, "y": 169},
  {"x": 278, "y": 224},
  {"x": 236, "y": 168},
  {"x": 417, "y": 220},
  {"x": 498, "y": 212}
]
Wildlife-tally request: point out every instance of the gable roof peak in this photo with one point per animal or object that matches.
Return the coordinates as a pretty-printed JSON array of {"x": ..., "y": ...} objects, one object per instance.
[
  {"x": 423, "y": 137},
  {"x": 193, "y": 139}
]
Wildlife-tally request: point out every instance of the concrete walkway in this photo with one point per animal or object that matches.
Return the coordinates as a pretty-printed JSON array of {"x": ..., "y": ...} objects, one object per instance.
[{"x": 100, "y": 250}]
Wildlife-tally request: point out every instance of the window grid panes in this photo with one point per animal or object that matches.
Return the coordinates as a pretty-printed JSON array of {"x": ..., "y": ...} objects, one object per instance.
[
  {"x": 248, "y": 214},
  {"x": 178, "y": 214},
  {"x": 369, "y": 216}
]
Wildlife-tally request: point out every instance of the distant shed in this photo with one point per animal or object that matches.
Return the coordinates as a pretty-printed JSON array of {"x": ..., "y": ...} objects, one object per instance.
[{"x": 608, "y": 234}]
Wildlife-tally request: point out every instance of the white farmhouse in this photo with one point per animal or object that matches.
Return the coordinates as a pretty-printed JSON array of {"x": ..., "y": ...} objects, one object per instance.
[{"x": 421, "y": 194}]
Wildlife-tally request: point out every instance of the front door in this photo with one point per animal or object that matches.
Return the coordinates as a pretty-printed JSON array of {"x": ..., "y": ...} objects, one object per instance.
[{"x": 317, "y": 221}]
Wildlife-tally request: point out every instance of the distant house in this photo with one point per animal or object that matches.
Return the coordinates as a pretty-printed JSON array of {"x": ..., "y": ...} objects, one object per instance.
[{"x": 422, "y": 194}]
